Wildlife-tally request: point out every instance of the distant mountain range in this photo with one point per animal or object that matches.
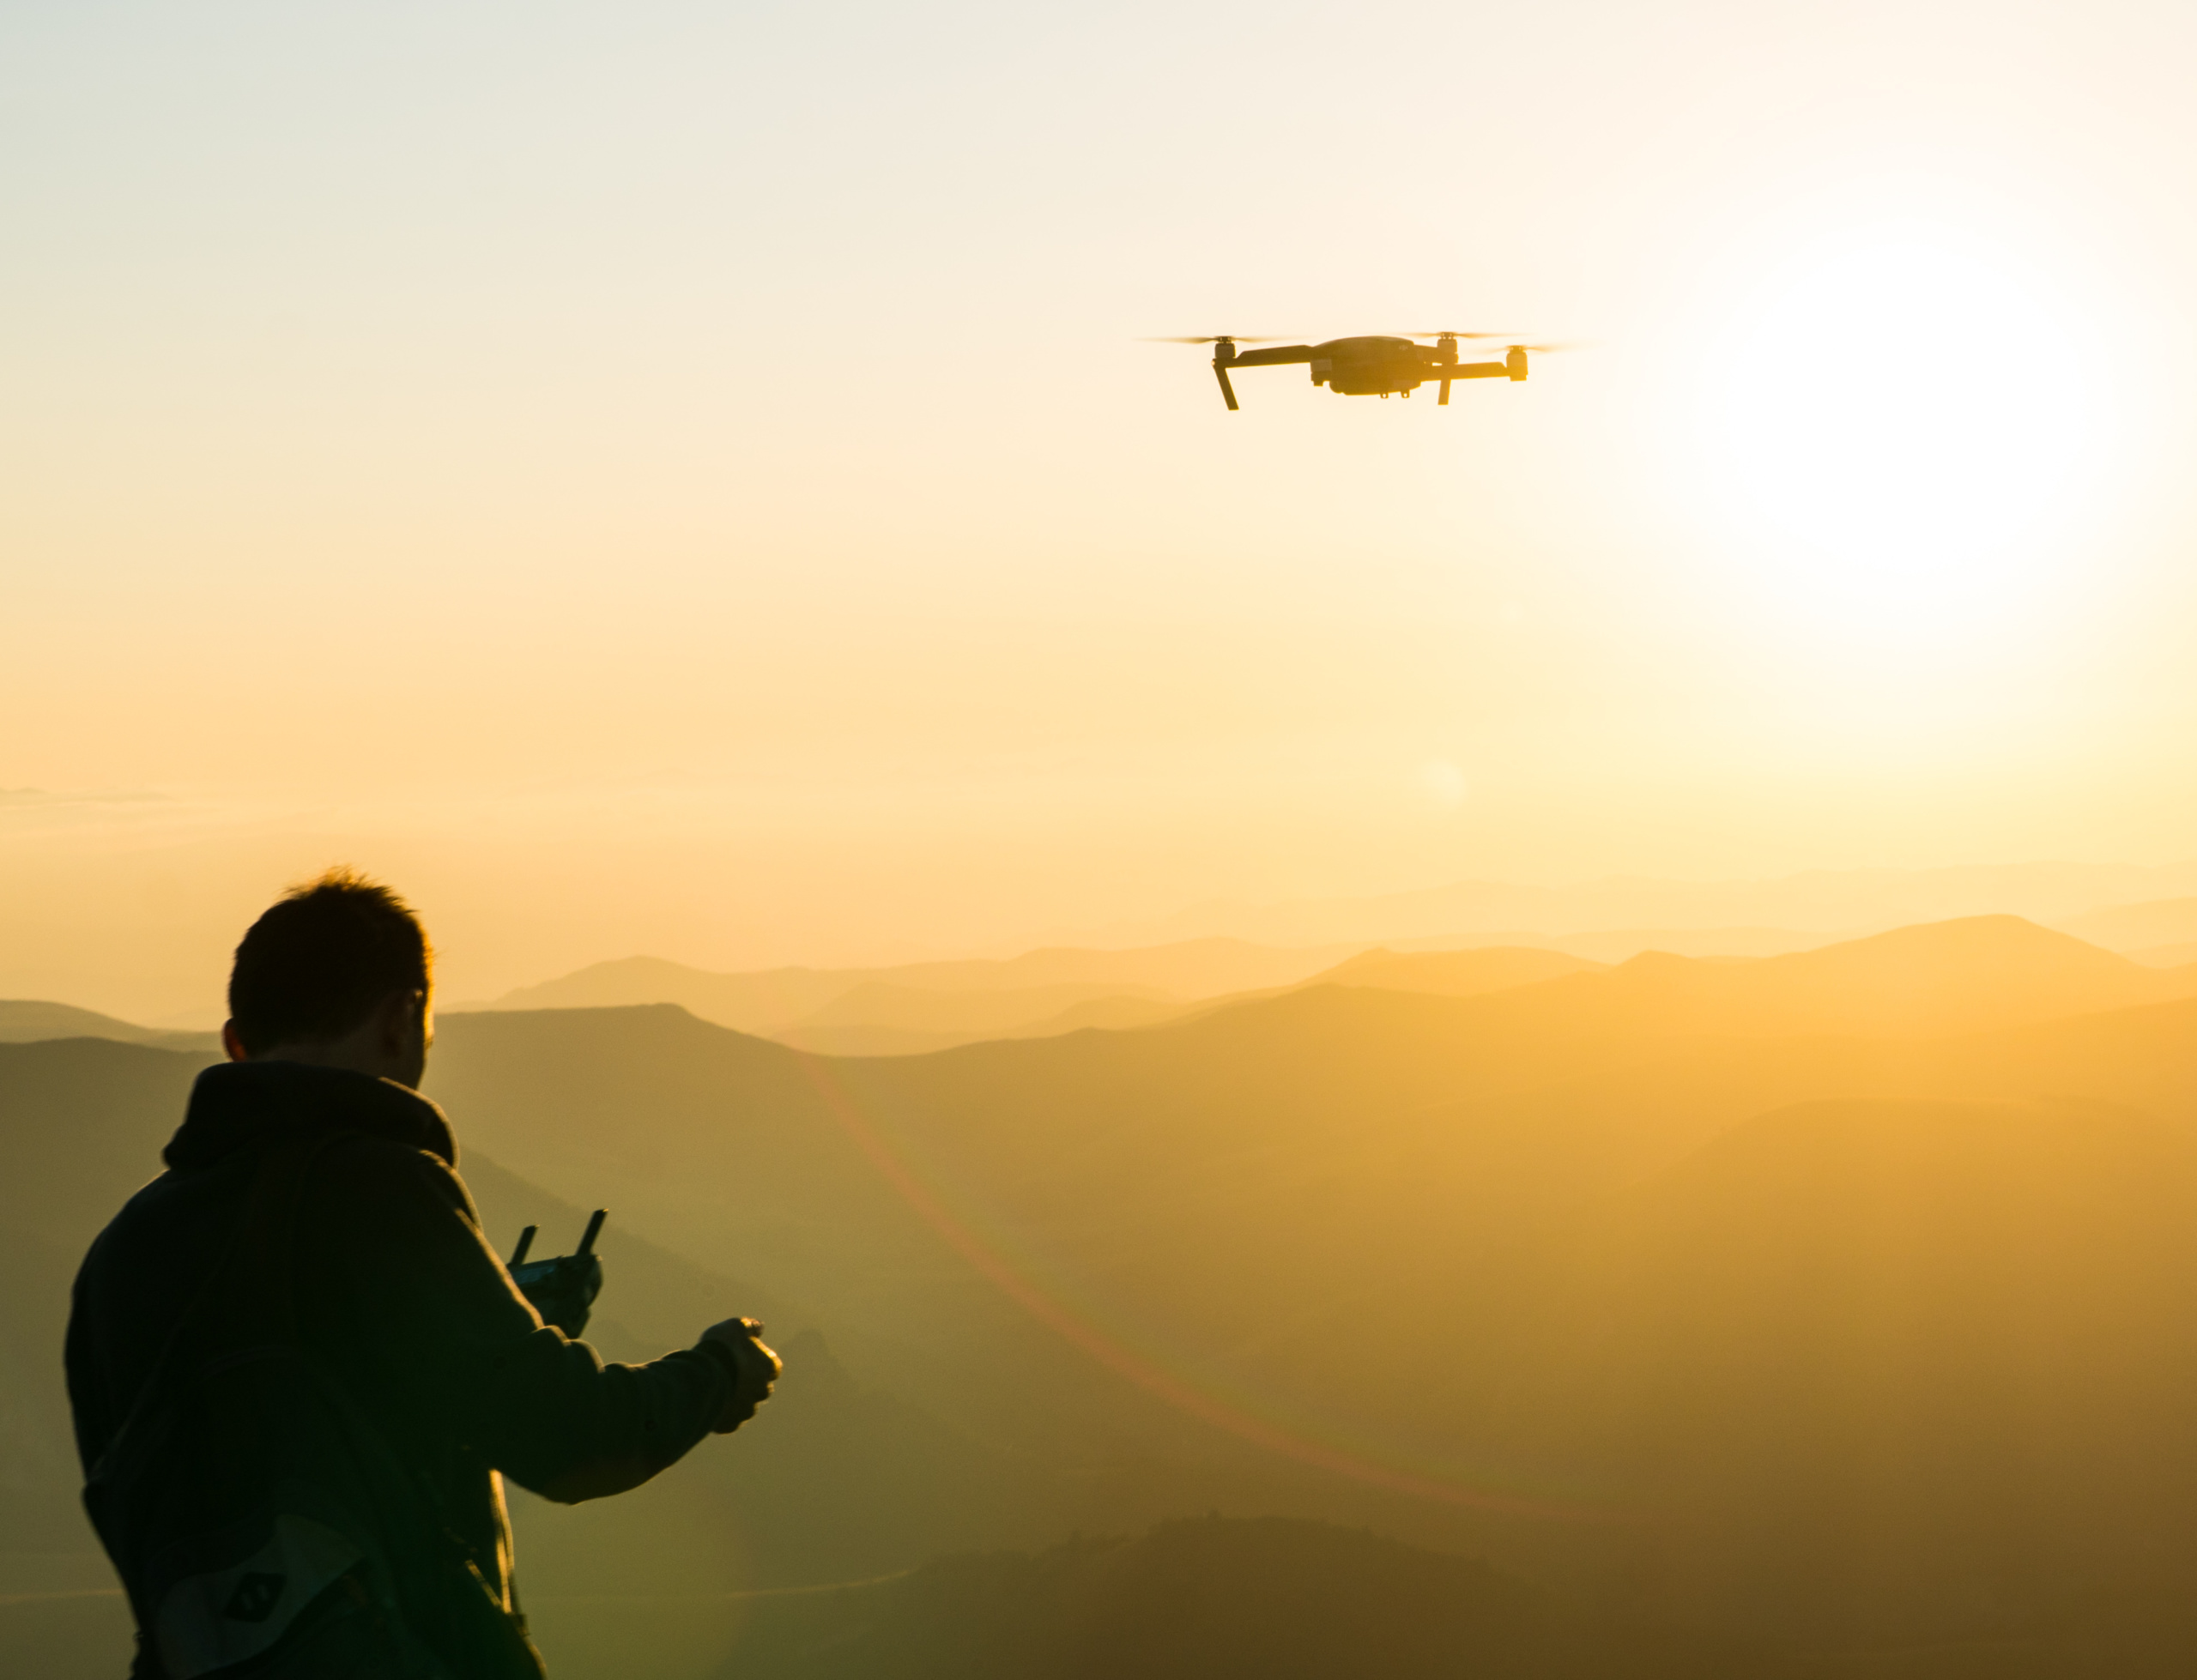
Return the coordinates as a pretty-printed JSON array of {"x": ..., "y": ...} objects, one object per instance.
[
  {"x": 921, "y": 1007},
  {"x": 988, "y": 994},
  {"x": 925, "y": 1006},
  {"x": 1839, "y": 1307}
]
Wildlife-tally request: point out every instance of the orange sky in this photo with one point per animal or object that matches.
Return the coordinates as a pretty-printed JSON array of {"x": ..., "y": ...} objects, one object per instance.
[{"x": 681, "y": 478}]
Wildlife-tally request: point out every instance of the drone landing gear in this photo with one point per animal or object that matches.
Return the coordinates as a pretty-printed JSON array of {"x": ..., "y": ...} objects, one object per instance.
[{"x": 1227, "y": 390}]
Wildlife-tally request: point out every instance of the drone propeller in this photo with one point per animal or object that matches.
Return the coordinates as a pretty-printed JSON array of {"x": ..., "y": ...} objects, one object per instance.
[
  {"x": 1216, "y": 338},
  {"x": 1550, "y": 350}
]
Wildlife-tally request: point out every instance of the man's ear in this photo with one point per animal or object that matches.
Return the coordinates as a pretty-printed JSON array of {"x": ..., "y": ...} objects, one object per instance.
[
  {"x": 231, "y": 1043},
  {"x": 401, "y": 1018}
]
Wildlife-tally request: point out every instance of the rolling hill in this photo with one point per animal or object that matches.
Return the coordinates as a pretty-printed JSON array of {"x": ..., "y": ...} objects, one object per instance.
[
  {"x": 25, "y": 1021},
  {"x": 1889, "y": 1371}
]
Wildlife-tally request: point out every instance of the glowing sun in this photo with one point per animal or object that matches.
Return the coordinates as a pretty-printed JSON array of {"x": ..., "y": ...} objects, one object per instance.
[{"x": 1906, "y": 410}]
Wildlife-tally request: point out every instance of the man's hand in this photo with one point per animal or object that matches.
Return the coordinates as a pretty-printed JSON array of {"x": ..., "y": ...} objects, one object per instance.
[{"x": 757, "y": 1367}]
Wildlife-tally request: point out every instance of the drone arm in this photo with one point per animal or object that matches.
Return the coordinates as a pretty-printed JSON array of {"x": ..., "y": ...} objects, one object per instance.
[
  {"x": 1473, "y": 370},
  {"x": 1280, "y": 356}
]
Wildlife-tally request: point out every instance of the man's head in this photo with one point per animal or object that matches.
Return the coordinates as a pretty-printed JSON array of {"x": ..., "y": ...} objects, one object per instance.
[{"x": 337, "y": 973}]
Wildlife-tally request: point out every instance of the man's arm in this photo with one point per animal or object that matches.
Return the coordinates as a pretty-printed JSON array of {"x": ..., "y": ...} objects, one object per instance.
[{"x": 424, "y": 1321}]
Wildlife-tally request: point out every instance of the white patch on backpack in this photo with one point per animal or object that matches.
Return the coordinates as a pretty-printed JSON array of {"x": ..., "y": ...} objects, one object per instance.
[{"x": 210, "y": 1620}]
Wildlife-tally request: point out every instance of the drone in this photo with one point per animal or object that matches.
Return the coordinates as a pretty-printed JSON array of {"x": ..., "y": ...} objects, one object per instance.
[{"x": 1377, "y": 367}]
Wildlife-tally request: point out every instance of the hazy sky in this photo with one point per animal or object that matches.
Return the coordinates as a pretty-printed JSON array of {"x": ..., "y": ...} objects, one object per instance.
[{"x": 682, "y": 478}]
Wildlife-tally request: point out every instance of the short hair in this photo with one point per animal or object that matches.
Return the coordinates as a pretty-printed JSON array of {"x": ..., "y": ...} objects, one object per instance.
[{"x": 322, "y": 958}]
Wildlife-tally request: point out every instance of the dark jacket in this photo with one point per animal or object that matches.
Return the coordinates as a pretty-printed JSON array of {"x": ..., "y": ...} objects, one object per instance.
[{"x": 403, "y": 1302}]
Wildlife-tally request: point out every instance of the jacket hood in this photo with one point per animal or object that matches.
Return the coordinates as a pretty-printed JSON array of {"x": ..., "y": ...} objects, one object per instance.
[{"x": 236, "y": 1104}]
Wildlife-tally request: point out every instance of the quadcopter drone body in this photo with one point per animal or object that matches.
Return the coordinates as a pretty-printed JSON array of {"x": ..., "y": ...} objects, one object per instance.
[{"x": 1371, "y": 366}]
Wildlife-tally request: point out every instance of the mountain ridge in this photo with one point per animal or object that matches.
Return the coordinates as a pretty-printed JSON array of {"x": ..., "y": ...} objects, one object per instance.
[
  {"x": 29, "y": 1020},
  {"x": 1833, "y": 902}
]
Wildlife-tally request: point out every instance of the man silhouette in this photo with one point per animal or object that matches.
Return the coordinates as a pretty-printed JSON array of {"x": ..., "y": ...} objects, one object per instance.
[{"x": 308, "y": 1167}]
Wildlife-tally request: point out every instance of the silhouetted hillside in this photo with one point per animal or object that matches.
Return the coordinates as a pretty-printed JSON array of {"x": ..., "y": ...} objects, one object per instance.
[
  {"x": 1881, "y": 1371},
  {"x": 1212, "y": 1598},
  {"x": 25, "y": 1021}
]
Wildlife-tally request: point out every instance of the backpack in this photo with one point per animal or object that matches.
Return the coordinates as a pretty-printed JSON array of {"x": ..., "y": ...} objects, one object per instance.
[{"x": 261, "y": 1523}]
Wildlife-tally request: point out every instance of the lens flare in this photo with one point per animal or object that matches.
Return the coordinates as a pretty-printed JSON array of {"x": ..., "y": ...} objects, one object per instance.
[{"x": 1016, "y": 1283}]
